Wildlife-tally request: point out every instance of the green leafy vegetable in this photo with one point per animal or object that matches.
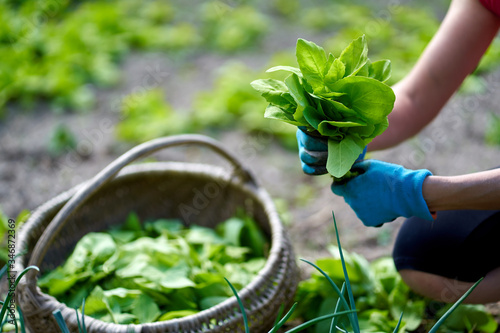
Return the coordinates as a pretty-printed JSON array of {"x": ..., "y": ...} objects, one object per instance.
[
  {"x": 343, "y": 99},
  {"x": 160, "y": 270},
  {"x": 382, "y": 299}
]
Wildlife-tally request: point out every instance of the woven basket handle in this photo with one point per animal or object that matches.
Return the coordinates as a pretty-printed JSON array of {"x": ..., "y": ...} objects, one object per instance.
[{"x": 110, "y": 172}]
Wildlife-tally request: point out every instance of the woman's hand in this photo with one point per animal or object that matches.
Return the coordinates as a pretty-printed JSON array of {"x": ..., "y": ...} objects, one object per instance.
[
  {"x": 313, "y": 153},
  {"x": 384, "y": 192}
]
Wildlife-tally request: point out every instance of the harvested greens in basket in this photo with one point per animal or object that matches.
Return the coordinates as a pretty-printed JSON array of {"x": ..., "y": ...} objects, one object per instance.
[
  {"x": 157, "y": 271},
  {"x": 343, "y": 99}
]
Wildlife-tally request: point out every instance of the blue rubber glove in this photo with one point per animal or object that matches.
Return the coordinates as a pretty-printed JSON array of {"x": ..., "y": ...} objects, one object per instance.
[
  {"x": 313, "y": 152},
  {"x": 384, "y": 192}
]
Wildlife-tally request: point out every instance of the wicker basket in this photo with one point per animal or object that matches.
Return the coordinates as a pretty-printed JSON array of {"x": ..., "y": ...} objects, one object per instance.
[{"x": 196, "y": 193}]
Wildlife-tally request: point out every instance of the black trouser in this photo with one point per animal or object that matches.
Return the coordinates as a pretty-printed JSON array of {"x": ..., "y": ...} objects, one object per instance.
[{"x": 459, "y": 244}]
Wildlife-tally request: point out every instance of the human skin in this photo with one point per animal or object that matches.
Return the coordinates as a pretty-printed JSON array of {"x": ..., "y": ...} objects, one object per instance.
[
  {"x": 454, "y": 52},
  {"x": 449, "y": 290},
  {"x": 479, "y": 190}
]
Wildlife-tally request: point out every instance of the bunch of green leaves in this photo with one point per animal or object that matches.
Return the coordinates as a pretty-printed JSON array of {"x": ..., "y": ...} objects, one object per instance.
[
  {"x": 343, "y": 99},
  {"x": 159, "y": 271},
  {"x": 380, "y": 294},
  {"x": 343, "y": 314}
]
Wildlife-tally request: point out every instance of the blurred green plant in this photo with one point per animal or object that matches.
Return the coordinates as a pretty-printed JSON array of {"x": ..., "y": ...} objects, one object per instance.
[
  {"x": 56, "y": 56},
  {"x": 334, "y": 16},
  {"x": 230, "y": 104},
  {"x": 146, "y": 115},
  {"x": 61, "y": 140},
  {"x": 400, "y": 37},
  {"x": 230, "y": 99},
  {"x": 289, "y": 9},
  {"x": 172, "y": 37},
  {"x": 492, "y": 135},
  {"x": 400, "y": 34},
  {"x": 229, "y": 28},
  {"x": 53, "y": 51}
]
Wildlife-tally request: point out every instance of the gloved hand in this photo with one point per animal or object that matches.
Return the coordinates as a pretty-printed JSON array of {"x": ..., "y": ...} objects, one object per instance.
[
  {"x": 313, "y": 152},
  {"x": 384, "y": 191}
]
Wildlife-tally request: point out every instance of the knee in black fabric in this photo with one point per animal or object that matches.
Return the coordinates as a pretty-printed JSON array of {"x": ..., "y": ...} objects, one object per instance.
[{"x": 458, "y": 244}]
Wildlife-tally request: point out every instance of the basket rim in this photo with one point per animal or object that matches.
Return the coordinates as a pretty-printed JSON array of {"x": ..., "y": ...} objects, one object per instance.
[{"x": 277, "y": 237}]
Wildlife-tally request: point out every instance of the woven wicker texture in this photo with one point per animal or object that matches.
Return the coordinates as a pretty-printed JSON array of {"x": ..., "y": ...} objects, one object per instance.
[{"x": 196, "y": 193}]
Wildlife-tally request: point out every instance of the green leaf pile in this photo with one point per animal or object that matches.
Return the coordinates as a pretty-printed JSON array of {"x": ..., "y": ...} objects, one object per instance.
[
  {"x": 160, "y": 271},
  {"x": 381, "y": 296},
  {"x": 343, "y": 99}
]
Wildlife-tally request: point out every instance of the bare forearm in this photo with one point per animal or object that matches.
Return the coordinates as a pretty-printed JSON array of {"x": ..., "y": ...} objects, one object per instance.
[
  {"x": 453, "y": 53},
  {"x": 407, "y": 119},
  {"x": 473, "y": 191}
]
